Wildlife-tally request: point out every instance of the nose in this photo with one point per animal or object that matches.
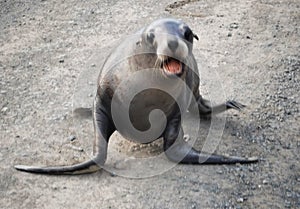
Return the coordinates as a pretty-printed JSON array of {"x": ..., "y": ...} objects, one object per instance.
[{"x": 173, "y": 44}]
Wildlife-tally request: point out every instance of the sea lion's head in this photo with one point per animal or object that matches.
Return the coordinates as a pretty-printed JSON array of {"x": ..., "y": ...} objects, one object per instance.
[{"x": 172, "y": 41}]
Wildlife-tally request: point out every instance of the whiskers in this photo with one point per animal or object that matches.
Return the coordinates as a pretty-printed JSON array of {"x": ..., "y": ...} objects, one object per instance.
[{"x": 158, "y": 65}]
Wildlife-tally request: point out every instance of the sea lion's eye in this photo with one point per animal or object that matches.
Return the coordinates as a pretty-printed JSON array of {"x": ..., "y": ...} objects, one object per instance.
[
  {"x": 188, "y": 34},
  {"x": 150, "y": 37}
]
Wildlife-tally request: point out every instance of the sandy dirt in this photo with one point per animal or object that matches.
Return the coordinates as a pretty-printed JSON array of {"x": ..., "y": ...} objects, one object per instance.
[{"x": 250, "y": 48}]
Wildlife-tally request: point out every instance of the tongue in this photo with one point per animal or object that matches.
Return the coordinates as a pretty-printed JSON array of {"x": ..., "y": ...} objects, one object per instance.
[{"x": 173, "y": 66}]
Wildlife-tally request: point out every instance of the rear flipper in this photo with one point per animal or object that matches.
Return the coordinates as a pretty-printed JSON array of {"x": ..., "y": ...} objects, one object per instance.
[{"x": 206, "y": 110}]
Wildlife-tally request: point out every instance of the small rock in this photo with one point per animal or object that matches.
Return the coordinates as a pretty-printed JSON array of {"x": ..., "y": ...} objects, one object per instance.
[
  {"x": 76, "y": 148},
  {"x": 113, "y": 174},
  {"x": 234, "y": 25},
  {"x": 265, "y": 181},
  {"x": 186, "y": 137},
  {"x": 248, "y": 37},
  {"x": 72, "y": 138},
  {"x": 287, "y": 145},
  {"x": 289, "y": 194},
  {"x": 219, "y": 172},
  {"x": 240, "y": 200},
  {"x": 4, "y": 109},
  {"x": 229, "y": 34},
  {"x": 287, "y": 204}
]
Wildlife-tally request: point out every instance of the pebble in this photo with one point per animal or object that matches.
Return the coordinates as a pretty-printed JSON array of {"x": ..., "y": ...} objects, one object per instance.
[
  {"x": 289, "y": 194},
  {"x": 113, "y": 174},
  {"x": 219, "y": 171},
  {"x": 54, "y": 187},
  {"x": 4, "y": 109},
  {"x": 186, "y": 137},
  {"x": 234, "y": 25},
  {"x": 265, "y": 181},
  {"x": 76, "y": 148},
  {"x": 287, "y": 145},
  {"x": 287, "y": 204},
  {"x": 72, "y": 138}
]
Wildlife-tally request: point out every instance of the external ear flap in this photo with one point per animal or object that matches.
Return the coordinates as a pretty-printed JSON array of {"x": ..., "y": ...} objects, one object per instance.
[
  {"x": 195, "y": 36},
  {"x": 150, "y": 36},
  {"x": 139, "y": 42}
]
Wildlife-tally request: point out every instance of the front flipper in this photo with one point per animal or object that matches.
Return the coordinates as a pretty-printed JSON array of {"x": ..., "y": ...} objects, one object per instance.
[
  {"x": 89, "y": 166},
  {"x": 103, "y": 130},
  {"x": 182, "y": 152},
  {"x": 179, "y": 151}
]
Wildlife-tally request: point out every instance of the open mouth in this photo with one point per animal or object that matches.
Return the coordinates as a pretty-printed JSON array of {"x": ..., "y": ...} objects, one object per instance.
[{"x": 172, "y": 66}]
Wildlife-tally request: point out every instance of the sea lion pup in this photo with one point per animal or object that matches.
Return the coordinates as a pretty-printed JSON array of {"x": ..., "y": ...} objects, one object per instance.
[{"x": 164, "y": 51}]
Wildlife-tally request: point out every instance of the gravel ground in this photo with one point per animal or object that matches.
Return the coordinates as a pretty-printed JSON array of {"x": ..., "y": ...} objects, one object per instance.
[{"x": 250, "y": 47}]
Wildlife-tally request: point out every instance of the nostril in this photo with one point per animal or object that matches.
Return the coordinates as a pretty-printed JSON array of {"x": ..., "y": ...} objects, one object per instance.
[{"x": 173, "y": 45}]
